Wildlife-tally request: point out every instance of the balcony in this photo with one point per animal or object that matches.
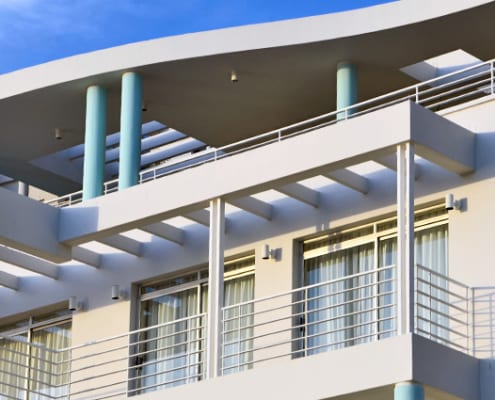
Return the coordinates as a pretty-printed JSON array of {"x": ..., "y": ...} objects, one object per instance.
[{"x": 329, "y": 316}]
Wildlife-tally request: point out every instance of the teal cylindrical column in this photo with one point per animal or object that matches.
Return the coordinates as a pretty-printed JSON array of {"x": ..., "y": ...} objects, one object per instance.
[
  {"x": 409, "y": 391},
  {"x": 94, "y": 142},
  {"x": 130, "y": 130},
  {"x": 346, "y": 87}
]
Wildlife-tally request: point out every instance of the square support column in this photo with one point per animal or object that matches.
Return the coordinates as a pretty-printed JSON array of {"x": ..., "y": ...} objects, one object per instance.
[
  {"x": 94, "y": 142},
  {"x": 130, "y": 130},
  {"x": 405, "y": 238},
  {"x": 215, "y": 288}
]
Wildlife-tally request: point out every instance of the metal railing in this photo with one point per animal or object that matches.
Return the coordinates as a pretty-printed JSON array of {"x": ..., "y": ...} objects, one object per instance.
[
  {"x": 435, "y": 94},
  {"x": 483, "y": 326},
  {"x": 331, "y": 315},
  {"x": 118, "y": 367},
  {"x": 341, "y": 312},
  {"x": 443, "y": 309}
]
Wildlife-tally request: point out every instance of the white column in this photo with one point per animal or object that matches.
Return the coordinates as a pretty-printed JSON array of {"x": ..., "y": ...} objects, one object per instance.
[
  {"x": 405, "y": 238},
  {"x": 215, "y": 288}
]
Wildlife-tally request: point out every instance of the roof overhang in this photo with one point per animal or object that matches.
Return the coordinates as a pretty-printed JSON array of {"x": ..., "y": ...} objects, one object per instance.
[{"x": 286, "y": 73}]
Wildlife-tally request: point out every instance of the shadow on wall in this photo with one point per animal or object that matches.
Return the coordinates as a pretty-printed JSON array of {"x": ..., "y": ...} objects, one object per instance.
[
  {"x": 483, "y": 334},
  {"x": 484, "y": 338}
]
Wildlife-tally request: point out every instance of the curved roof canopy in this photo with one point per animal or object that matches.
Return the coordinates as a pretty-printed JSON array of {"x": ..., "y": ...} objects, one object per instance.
[{"x": 286, "y": 73}]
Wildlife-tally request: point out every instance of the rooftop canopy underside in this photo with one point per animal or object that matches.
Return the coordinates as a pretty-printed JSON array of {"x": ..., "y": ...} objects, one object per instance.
[{"x": 286, "y": 73}]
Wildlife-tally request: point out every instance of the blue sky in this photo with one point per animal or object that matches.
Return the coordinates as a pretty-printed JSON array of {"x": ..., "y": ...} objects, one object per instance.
[{"x": 36, "y": 31}]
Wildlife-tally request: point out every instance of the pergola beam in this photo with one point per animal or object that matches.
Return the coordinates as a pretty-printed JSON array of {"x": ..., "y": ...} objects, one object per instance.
[
  {"x": 123, "y": 243},
  {"x": 254, "y": 206},
  {"x": 9, "y": 281},
  {"x": 301, "y": 193},
  {"x": 200, "y": 216},
  {"x": 165, "y": 231},
  {"x": 350, "y": 179},
  {"x": 86, "y": 256},
  {"x": 28, "y": 262}
]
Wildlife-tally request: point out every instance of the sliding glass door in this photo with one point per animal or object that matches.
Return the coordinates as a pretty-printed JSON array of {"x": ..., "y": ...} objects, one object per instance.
[
  {"x": 31, "y": 363},
  {"x": 173, "y": 325},
  {"x": 350, "y": 280}
]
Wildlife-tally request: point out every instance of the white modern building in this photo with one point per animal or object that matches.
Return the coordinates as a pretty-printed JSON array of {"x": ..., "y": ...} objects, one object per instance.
[{"x": 293, "y": 210}]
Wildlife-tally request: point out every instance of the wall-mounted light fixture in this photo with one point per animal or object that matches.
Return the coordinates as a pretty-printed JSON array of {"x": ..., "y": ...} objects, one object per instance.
[
  {"x": 73, "y": 303},
  {"x": 451, "y": 203},
  {"x": 233, "y": 77},
  {"x": 266, "y": 253},
  {"x": 115, "y": 292},
  {"x": 58, "y": 133}
]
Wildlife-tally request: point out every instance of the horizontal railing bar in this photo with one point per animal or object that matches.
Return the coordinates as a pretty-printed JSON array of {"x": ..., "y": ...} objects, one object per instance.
[
  {"x": 315, "y": 285},
  {"x": 442, "y": 314},
  {"x": 134, "y": 332},
  {"x": 304, "y": 337},
  {"x": 443, "y": 289},
  {"x": 304, "y": 302},
  {"x": 445, "y": 303},
  {"x": 193, "y": 365},
  {"x": 184, "y": 331},
  {"x": 304, "y": 312},
  {"x": 441, "y": 339},
  {"x": 445, "y": 328},
  {"x": 298, "y": 351},
  {"x": 199, "y": 375},
  {"x": 456, "y": 89},
  {"x": 167, "y": 359},
  {"x": 452, "y": 83},
  {"x": 456, "y": 98},
  {"x": 440, "y": 275}
]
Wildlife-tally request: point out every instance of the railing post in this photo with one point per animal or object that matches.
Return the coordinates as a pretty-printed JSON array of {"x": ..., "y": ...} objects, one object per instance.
[
  {"x": 473, "y": 323},
  {"x": 430, "y": 303},
  {"x": 417, "y": 94},
  {"x": 239, "y": 339},
  {"x": 405, "y": 238},
  {"x": 215, "y": 287}
]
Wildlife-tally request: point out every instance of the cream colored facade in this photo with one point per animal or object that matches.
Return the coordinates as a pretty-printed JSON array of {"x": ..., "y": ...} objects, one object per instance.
[{"x": 348, "y": 305}]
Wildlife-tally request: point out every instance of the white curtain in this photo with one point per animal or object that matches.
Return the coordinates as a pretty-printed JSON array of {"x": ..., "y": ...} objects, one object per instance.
[
  {"x": 48, "y": 369},
  {"x": 49, "y": 375},
  {"x": 336, "y": 314},
  {"x": 237, "y": 355},
  {"x": 387, "y": 287},
  {"x": 171, "y": 351},
  {"x": 431, "y": 252},
  {"x": 14, "y": 362}
]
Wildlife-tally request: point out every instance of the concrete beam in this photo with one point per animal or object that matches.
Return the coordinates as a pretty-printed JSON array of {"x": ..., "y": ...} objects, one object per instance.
[
  {"x": 200, "y": 216},
  {"x": 31, "y": 227},
  {"x": 86, "y": 256},
  {"x": 301, "y": 193},
  {"x": 361, "y": 139},
  {"x": 390, "y": 161},
  {"x": 9, "y": 281},
  {"x": 123, "y": 243},
  {"x": 253, "y": 206},
  {"x": 28, "y": 262},
  {"x": 165, "y": 231},
  {"x": 442, "y": 141},
  {"x": 350, "y": 179}
]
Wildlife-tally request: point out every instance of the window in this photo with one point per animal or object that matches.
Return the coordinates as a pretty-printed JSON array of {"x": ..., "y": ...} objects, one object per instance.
[
  {"x": 29, "y": 361},
  {"x": 350, "y": 275},
  {"x": 173, "y": 322}
]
